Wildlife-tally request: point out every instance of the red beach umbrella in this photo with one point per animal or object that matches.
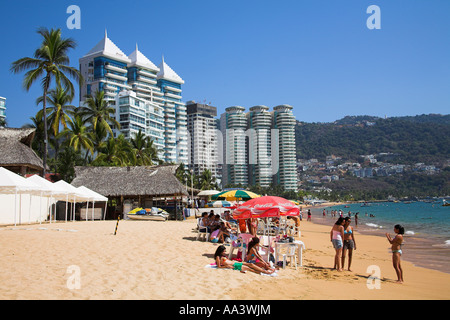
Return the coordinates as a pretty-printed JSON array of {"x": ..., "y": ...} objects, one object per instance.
[{"x": 264, "y": 207}]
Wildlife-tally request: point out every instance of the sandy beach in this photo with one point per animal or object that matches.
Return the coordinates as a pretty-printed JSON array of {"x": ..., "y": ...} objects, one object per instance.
[{"x": 163, "y": 260}]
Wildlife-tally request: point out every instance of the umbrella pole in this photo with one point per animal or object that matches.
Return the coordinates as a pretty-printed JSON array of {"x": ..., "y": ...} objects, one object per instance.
[
  {"x": 104, "y": 214},
  {"x": 93, "y": 206}
]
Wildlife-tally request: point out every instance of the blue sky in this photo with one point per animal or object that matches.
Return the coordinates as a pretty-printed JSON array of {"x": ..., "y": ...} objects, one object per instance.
[{"x": 316, "y": 55}]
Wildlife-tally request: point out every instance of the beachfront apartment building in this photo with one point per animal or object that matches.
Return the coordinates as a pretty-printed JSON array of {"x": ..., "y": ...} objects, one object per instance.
[
  {"x": 284, "y": 121},
  {"x": 203, "y": 138},
  {"x": 259, "y": 146},
  {"x": 2, "y": 110},
  {"x": 233, "y": 125},
  {"x": 106, "y": 68}
]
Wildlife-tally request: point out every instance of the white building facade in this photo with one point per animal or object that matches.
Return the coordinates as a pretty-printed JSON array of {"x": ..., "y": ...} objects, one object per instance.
[{"x": 158, "y": 88}]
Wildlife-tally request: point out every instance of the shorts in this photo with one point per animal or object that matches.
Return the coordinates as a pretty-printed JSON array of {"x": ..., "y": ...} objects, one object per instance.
[
  {"x": 337, "y": 244},
  {"x": 349, "y": 244},
  {"x": 237, "y": 266}
]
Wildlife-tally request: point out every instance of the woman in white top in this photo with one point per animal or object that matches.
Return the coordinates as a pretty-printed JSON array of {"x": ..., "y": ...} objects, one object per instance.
[{"x": 337, "y": 237}]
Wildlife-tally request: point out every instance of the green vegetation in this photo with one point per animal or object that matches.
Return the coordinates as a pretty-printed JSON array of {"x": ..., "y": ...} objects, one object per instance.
[{"x": 414, "y": 139}]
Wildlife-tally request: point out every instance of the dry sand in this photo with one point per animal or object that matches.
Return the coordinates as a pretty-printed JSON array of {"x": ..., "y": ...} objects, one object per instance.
[{"x": 163, "y": 260}]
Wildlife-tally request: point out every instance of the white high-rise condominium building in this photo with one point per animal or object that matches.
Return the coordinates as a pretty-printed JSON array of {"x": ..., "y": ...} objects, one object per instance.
[
  {"x": 2, "y": 109},
  {"x": 259, "y": 146},
  {"x": 106, "y": 68},
  {"x": 202, "y": 128},
  {"x": 284, "y": 121},
  {"x": 233, "y": 125}
]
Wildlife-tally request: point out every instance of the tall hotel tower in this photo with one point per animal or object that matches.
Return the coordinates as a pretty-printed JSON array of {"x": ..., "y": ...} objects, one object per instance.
[
  {"x": 284, "y": 121},
  {"x": 259, "y": 146},
  {"x": 149, "y": 100},
  {"x": 202, "y": 127},
  {"x": 233, "y": 124}
]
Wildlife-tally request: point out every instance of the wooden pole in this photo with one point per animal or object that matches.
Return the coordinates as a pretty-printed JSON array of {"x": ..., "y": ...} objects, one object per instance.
[{"x": 117, "y": 224}]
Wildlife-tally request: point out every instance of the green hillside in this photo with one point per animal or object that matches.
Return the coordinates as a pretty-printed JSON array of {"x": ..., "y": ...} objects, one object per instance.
[{"x": 424, "y": 138}]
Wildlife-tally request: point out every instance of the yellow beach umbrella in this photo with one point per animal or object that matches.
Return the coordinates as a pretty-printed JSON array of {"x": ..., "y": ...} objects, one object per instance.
[{"x": 233, "y": 195}]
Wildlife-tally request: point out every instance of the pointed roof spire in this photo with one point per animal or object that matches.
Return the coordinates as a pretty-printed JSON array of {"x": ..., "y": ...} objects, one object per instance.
[
  {"x": 107, "y": 48},
  {"x": 138, "y": 59},
  {"x": 168, "y": 73}
]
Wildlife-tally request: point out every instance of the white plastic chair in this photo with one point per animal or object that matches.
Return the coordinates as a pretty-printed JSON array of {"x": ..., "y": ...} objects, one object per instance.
[
  {"x": 291, "y": 253},
  {"x": 241, "y": 245},
  {"x": 202, "y": 231}
]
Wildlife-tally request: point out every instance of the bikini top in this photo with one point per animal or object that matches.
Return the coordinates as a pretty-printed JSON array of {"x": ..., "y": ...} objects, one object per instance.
[{"x": 348, "y": 232}]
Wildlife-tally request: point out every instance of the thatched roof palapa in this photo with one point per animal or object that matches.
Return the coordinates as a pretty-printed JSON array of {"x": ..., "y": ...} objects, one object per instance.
[
  {"x": 152, "y": 181},
  {"x": 16, "y": 151}
]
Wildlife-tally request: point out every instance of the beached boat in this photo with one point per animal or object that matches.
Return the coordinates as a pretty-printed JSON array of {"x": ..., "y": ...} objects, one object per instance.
[{"x": 154, "y": 214}]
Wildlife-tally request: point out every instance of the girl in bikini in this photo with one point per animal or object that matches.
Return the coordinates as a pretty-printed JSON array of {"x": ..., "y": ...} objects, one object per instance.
[
  {"x": 254, "y": 257},
  {"x": 223, "y": 262},
  {"x": 396, "y": 243},
  {"x": 349, "y": 242}
]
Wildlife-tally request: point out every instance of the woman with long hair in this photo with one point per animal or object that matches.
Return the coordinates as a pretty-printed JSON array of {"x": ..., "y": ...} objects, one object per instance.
[
  {"x": 337, "y": 236},
  {"x": 396, "y": 248}
]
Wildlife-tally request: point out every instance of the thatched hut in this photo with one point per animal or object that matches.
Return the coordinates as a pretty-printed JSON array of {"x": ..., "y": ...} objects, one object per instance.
[
  {"x": 16, "y": 153},
  {"x": 130, "y": 187}
]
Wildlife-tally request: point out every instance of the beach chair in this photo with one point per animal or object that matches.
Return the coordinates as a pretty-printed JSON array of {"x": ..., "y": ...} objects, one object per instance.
[
  {"x": 291, "y": 253},
  {"x": 241, "y": 244},
  {"x": 202, "y": 231}
]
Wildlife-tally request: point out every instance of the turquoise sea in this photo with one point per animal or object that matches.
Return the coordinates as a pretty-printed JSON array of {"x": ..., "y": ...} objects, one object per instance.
[{"x": 427, "y": 227}]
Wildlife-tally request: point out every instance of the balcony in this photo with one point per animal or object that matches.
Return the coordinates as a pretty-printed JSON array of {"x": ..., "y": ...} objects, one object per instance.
[{"x": 116, "y": 76}]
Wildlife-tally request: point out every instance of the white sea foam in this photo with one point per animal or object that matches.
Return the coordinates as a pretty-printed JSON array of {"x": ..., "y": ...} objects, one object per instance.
[
  {"x": 411, "y": 233},
  {"x": 373, "y": 225}
]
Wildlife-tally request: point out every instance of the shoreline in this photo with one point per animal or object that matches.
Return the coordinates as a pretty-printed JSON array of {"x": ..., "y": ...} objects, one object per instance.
[
  {"x": 421, "y": 250},
  {"x": 164, "y": 261}
]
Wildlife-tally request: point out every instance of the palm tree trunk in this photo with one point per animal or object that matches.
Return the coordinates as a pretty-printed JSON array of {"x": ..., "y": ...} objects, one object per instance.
[{"x": 44, "y": 160}]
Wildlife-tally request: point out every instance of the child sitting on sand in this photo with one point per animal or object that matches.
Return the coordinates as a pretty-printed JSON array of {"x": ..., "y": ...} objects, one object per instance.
[{"x": 223, "y": 262}]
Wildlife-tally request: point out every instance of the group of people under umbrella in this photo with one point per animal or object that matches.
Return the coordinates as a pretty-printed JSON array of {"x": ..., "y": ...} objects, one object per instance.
[{"x": 257, "y": 207}]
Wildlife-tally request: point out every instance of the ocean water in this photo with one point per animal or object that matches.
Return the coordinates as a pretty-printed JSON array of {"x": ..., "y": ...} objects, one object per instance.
[{"x": 427, "y": 227}]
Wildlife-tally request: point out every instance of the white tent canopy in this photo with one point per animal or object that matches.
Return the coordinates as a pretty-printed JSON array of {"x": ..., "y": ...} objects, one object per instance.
[
  {"x": 92, "y": 194},
  {"x": 12, "y": 183}
]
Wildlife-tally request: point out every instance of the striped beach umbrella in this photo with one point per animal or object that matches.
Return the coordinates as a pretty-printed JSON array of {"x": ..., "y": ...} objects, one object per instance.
[{"x": 233, "y": 195}]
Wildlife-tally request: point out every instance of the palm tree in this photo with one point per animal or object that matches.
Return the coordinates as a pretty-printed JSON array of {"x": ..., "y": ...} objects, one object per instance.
[
  {"x": 50, "y": 62},
  {"x": 207, "y": 180},
  {"x": 114, "y": 152},
  {"x": 78, "y": 135},
  {"x": 145, "y": 151},
  {"x": 98, "y": 112},
  {"x": 59, "y": 99}
]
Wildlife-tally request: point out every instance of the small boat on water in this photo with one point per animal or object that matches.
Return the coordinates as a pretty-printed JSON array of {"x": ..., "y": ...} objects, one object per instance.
[
  {"x": 445, "y": 204},
  {"x": 154, "y": 214}
]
